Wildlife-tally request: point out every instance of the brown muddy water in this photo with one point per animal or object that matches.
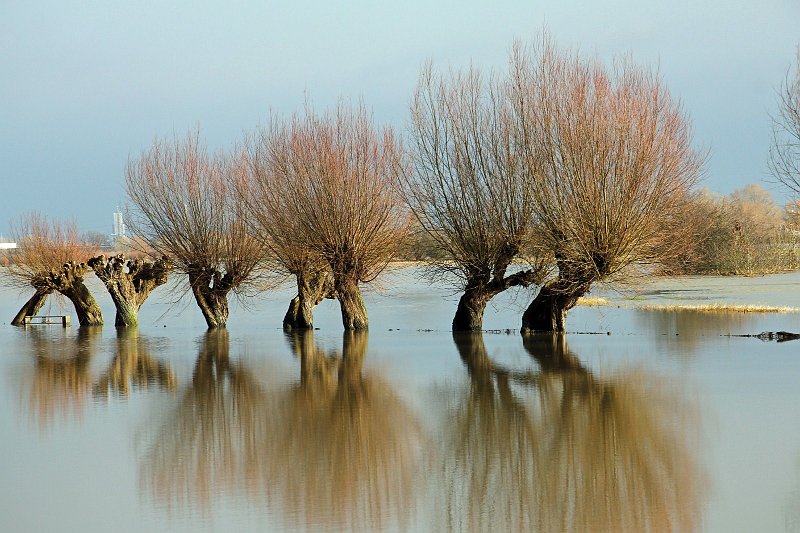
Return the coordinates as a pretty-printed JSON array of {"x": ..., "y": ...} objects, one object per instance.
[{"x": 633, "y": 421}]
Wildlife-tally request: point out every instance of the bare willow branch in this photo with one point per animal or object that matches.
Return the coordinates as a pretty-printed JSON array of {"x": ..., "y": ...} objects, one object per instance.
[
  {"x": 784, "y": 154},
  {"x": 269, "y": 217}
]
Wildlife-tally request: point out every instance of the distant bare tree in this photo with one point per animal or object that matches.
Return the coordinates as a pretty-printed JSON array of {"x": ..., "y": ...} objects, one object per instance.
[
  {"x": 129, "y": 282},
  {"x": 271, "y": 218},
  {"x": 784, "y": 155},
  {"x": 334, "y": 190},
  {"x": 740, "y": 233},
  {"x": 611, "y": 152},
  {"x": 51, "y": 257},
  {"x": 185, "y": 210},
  {"x": 468, "y": 189}
]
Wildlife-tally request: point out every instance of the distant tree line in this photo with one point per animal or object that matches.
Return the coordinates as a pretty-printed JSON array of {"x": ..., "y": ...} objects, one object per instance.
[
  {"x": 559, "y": 173},
  {"x": 743, "y": 233}
]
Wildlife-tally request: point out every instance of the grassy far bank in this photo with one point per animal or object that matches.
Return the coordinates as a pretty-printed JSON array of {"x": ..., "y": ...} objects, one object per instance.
[{"x": 701, "y": 308}]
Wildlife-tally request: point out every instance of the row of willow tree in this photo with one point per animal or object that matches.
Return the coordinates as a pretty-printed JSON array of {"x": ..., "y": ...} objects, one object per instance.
[{"x": 557, "y": 174}]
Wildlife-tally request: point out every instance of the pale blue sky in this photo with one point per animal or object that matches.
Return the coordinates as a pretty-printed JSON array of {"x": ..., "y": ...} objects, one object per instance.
[{"x": 83, "y": 85}]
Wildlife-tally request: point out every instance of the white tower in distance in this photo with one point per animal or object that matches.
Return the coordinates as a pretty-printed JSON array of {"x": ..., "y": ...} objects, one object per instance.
[{"x": 119, "y": 226}]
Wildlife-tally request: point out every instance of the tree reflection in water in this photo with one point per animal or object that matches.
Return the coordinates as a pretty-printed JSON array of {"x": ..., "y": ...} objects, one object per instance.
[
  {"x": 338, "y": 449},
  {"x": 563, "y": 450},
  {"x": 203, "y": 445},
  {"x": 344, "y": 449},
  {"x": 133, "y": 367},
  {"x": 61, "y": 381}
]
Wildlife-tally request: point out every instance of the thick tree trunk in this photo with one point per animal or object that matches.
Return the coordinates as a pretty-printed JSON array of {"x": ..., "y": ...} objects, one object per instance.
[
  {"x": 127, "y": 314},
  {"x": 129, "y": 282},
  {"x": 480, "y": 288},
  {"x": 354, "y": 313},
  {"x": 311, "y": 290},
  {"x": 31, "y": 307},
  {"x": 213, "y": 305},
  {"x": 69, "y": 282},
  {"x": 86, "y": 307},
  {"x": 211, "y": 299},
  {"x": 471, "y": 306},
  {"x": 547, "y": 311}
]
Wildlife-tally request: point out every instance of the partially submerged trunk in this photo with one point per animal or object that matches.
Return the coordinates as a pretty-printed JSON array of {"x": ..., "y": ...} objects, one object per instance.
[
  {"x": 32, "y": 306},
  {"x": 480, "y": 289},
  {"x": 354, "y": 312},
  {"x": 68, "y": 280},
  {"x": 210, "y": 289},
  {"x": 311, "y": 290},
  {"x": 129, "y": 282},
  {"x": 547, "y": 311},
  {"x": 86, "y": 307},
  {"x": 471, "y": 306}
]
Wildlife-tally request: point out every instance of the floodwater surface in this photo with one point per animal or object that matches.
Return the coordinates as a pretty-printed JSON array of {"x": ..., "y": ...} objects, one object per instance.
[{"x": 633, "y": 421}]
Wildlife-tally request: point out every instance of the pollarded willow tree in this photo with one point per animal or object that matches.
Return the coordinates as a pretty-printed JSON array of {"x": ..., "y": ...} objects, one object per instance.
[
  {"x": 51, "y": 257},
  {"x": 129, "y": 282},
  {"x": 784, "y": 155},
  {"x": 184, "y": 209},
  {"x": 467, "y": 186},
  {"x": 266, "y": 163},
  {"x": 334, "y": 179},
  {"x": 611, "y": 152}
]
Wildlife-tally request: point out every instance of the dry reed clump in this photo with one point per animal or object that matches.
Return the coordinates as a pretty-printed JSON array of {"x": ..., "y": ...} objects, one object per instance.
[
  {"x": 592, "y": 302},
  {"x": 719, "y": 308}
]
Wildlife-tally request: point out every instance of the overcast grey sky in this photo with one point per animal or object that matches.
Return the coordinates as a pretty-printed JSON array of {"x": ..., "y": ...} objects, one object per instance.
[{"x": 83, "y": 85}]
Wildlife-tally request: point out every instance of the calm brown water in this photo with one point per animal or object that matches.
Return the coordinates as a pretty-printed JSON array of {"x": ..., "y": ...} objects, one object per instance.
[{"x": 666, "y": 423}]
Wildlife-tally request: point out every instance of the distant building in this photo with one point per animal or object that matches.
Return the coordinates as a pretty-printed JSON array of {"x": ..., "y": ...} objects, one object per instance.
[
  {"x": 119, "y": 226},
  {"x": 6, "y": 245}
]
